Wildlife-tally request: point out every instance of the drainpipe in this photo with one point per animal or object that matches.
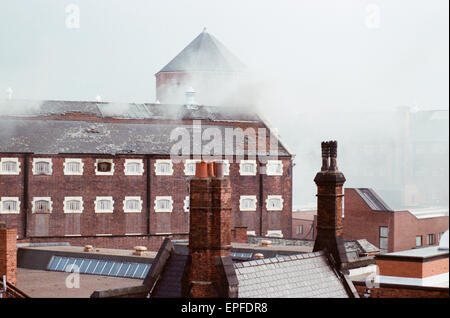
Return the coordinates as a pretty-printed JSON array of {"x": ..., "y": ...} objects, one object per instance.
[
  {"x": 149, "y": 203},
  {"x": 261, "y": 193},
  {"x": 25, "y": 195}
]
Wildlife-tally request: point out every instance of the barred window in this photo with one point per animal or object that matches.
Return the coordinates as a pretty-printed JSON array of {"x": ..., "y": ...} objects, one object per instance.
[
  {"x": 247, "y": 203},
  {"x": 104, "y": 205},
  {"x": 42, "y": 167},
  {"x": 42, "y": 206},
  {"x": 73, "y": 166},
  {"x": 163, "y": 204},
  {"x": 73, "y": 205},
  {"x": 9, "y": 166},
  {"x": 9, "y": 206}
]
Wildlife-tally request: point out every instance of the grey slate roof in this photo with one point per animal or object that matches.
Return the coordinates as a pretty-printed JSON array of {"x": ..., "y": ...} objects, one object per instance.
[
  {"x": 79, "y": 137},
  {"x": 169, "y": 286},
  {"x": 296, "y": 276},
  {"x": 205, "y": 53},
  {"x": 35, "y": 108},
  {"x": 372, "y": 199}
]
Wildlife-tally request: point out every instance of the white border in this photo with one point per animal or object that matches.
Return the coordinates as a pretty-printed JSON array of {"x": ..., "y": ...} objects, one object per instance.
[
  {"x": 188, "y": 162},
  {"x": 16, "y": 199},
  {"x": 274, "y": 233},
  {"x": 35, "y": 199},
  {"x": 158, "y": 198},
  {"x": 187, "y": 204},
  {"x": 251, "y": 197},
  {"x": 46, "y": 160},
  {"x": 139, "y": 199},
  {"x": 274, "y": 197},
  {"x": 435, "y": 280},
  {"x": 159, "y": 173},
  {"x": 138, "y": 161},
  {"x": 79, "y": 199},
  {"x": 97, "y": 210},
  {"x": 110, "y": 173},
  {"x": 71, "y": 173},
  {"x": 10, "y": 173},
  {"x": 241, "y": 166},
  {"x": 251, "y": 233},
  {"x": 271, "y": 167}
]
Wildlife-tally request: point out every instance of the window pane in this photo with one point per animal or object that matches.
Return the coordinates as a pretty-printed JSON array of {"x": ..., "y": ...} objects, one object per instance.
[
  {"x": 133, "y": 167},
  {"x": 383, "y": 231},
  {"x": 42, "y": 167},
  {"x": 10, "y": 206},
  {"x": 9, "y": 166},
  {"x": 418, "y": 240},
  {"x": 74, "y": 167}
]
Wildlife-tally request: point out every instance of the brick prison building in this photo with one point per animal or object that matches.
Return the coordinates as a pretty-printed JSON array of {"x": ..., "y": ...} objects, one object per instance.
[{"x": 101, "y": 173}]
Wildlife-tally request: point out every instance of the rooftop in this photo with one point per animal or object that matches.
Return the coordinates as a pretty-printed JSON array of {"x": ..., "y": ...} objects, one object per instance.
[
  {"x": 420, "y": 253},
  {"x": 204, "y": 54}
]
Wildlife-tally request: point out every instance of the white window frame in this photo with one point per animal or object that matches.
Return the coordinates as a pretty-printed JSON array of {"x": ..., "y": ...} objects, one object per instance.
[
  {"x": 188, "y": 162},
  {"x": 97, "y": 208},
  {"x": 274, "y": 197},
  {"x": 46, "y": 160},
  {"x": 419, "y": 237},
  {"x": 73, "y": 173},
  {"x": 12, "y": 159},
  {"x": 226, "y": 167},
  {"x": 274, "y": 233},
  {"x": 187, "y": 204},
  {"x": 159, "y": 198},
  {"x": 35, "y": 199},
  {"x": 248, "y": 197},
  {"x": 140, "y": 162},
  {"x": 245, "y": 162},
  {"x": 271, "y": 167},
  {"x": 108, "y": 173},
  {"x": 126, "y": 210},
  {"x": 15, "y": 199},
  {"x": 66, "y": 208},
  {"x": 163, "y": 161}
]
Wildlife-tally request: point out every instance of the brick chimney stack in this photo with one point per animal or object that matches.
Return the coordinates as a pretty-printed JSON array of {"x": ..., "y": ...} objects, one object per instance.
[
  {"x": 209, "y": 271},
  {"x": 330, "y": 183},
  {"x": 8, "y": 254}
]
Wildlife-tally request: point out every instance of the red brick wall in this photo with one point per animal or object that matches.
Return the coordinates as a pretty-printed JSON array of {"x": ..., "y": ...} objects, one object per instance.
[
  {"x": 413, "y": 269},
  {"x": 89, "y": 186},
  {"x": 360, "y": 222},
  {"x": 152, "y": 242},
  {"x": 396, "y": 291},
  {"x": 8, "y": 254}
]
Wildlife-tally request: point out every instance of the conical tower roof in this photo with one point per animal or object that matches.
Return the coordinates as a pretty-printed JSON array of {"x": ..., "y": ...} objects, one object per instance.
[{"x": 205, "y": 54}]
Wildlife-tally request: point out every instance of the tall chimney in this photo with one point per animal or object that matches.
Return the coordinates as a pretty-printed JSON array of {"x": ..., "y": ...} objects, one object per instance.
[
  {"x": 209, "y": 271},
  {"x": 330, "y": 183},
  {"x": 8, "y": 254}
]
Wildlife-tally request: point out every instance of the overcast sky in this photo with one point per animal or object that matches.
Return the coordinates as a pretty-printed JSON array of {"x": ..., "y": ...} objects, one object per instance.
[
  {"x": 307, "y": 56},
  {"x": 340, "y": 54}
]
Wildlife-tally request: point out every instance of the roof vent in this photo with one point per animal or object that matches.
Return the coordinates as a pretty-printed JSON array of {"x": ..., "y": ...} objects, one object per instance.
[{"x": 190, "y": 98}]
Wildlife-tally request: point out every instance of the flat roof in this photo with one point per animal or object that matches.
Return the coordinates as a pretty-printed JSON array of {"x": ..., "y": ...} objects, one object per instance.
[
  {"x": 424, "y": 252},
  {"x": 49, "y": 284},
  {"x": 97, "y": 251}
]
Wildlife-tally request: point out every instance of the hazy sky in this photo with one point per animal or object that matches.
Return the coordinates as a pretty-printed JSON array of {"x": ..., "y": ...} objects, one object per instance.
[
  {"x": 340, "y": 54},
  {"x": 308, "y": 56}
]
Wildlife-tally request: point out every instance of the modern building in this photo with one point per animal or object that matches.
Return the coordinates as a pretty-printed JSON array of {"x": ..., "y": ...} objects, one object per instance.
[{"x": 367, "y": 216}]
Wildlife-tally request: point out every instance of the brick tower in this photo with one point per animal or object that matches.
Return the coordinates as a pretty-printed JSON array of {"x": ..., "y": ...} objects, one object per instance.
[
  {"x": 330, "y": 183},
  {"x": 8, "y": 254},
  {"x": 209, "y": 271}
]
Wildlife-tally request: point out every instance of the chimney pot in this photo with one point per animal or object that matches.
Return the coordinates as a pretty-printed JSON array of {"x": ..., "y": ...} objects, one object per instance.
[
  {"x": 258, "y": 256},
  {"x": 201, "y": 169}
]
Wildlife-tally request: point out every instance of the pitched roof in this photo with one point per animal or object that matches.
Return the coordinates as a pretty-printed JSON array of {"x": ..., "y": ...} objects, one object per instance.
[
  {"x": 204, "y": 54},
  {"x": 296, "y": 276},
  {"x": 372, "y": 199},
  {"x": 169, "y": 286},
  {"x": 301, "y": 275}
]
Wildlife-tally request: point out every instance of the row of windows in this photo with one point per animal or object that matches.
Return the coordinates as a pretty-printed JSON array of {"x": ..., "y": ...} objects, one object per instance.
[
  {"x": 72, "y": 166},
  {"x": 430, "y": 239},
  {"x": 130, "y": 204}
]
